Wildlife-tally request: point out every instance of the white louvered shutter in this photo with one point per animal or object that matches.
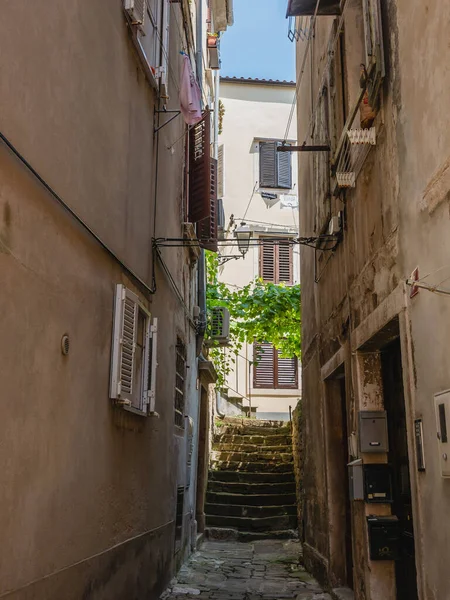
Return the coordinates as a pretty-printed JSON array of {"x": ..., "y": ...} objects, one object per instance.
[
  {"x": 284, "y": 169},
  {"x": 286, "y": 372},
  {"x": 124, "y": 345},
  {"x": 220, "y": 172},
  {"x": 268, "y": 165},
  {"x": 264, "y": 367}
]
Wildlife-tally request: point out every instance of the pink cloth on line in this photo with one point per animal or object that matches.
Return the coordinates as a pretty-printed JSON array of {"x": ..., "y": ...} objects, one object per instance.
[{"x": 190, "y": 94}]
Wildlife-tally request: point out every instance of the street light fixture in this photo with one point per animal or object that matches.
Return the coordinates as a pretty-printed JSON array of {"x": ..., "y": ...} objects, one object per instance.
[{"x": 243, "y": 234}]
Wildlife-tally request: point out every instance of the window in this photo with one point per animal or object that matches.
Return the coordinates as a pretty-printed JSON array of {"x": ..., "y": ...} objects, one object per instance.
[
  {"x": 203, "y": 184},
  {"x": 275, "y": 261},
  {"x": 273, "y": 372},
  {"x": 133, "y": 362},
  {"x": 180, "y": 382},
  {"x": 179, "y": 518},
  {"x": 275, "y": 170}
]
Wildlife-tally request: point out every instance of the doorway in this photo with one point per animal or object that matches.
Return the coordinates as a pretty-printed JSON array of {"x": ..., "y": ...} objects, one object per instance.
[
  {"x": 340, "y": 514},
  {"x": 202, "y": 460},
  {"x": 394, "y": 403}
]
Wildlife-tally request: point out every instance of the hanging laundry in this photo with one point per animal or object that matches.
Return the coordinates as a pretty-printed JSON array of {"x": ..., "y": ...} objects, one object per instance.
[{"x": 190, "y": 94}]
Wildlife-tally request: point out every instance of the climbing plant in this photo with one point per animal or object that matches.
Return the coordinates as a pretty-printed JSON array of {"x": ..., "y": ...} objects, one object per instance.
[{"x": 259, "y": 312}]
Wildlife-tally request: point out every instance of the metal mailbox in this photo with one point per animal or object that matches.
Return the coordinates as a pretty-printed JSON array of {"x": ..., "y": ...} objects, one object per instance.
[
  {"x": 373, "y": 431},
  {"x": 356, "y": 480},
  {"x": 378, "y": 484},
  {"x": 384, "y": 537}
]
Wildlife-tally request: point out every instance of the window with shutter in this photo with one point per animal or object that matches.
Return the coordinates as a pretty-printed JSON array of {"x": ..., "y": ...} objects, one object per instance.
[
  {"x": 373, "y": 34},
  {"x": 133, "y": 361},
  {"x": 203, "y": 184},
  {"x": 276, "y": 261},
  {"x": 275, "y": 169},
  {"x": 273, "y": 372}
]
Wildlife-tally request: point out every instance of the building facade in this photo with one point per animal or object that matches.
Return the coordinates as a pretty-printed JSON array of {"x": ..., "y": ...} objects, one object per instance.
[
  {"x": 371, "y": 94},
  {"x": 259, "y": 189},
  {"x": 104, "y": 383}
]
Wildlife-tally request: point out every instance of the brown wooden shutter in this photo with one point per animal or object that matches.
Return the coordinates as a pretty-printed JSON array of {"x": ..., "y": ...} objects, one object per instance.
[
  {"x": 267, "y": 269},
  {"x": 207, "y": 228},
  {"x": 200, "y": 170},
  {"x": 286, "y": 372},
  {"x": 284, "y": 262},
  {"x": 264, "y": 370}
]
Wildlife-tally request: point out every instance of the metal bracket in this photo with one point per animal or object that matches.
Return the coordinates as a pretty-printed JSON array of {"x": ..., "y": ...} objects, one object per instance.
[{"x": 177, "y": 112}]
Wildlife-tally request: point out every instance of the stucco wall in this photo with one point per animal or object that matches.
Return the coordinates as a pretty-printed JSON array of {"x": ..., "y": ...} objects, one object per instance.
[
  {"x": 88, "y": 491},
  {"x": 395, "y": 219}
]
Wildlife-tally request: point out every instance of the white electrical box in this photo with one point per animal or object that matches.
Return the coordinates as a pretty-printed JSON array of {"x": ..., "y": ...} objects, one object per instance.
[{"x": 442, "y": 407}]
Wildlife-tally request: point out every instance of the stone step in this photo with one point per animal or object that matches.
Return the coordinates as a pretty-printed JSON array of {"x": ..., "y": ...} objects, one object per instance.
[
  {"x": 251, "y": 477},
  {"x": 253, "y": 524},
  {"x": 250, "y": 499},
  {"x": 253, "y": 440},
  {"x": 268, "y": 457},
  {"x": 253, "y": 536},
  {"x": 249, "y": 430},
  {"x": 245, "y": 510},
  {"x": 260, "y": 467},
  {"x": 246, "y": 422},
  {"x": 253, "y": 448},
  {"x": 251, "y": 489},
  {"x": 221, "y": 533}
]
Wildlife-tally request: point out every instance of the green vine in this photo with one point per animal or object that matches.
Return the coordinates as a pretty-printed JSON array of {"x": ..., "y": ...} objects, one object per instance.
[
  {"x": 259, "y": 312},
  {"x": 221, "y": 116}
]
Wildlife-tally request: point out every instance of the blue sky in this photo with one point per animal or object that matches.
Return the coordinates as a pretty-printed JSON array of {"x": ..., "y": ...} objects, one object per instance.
[{"x": 257, "y": 44}]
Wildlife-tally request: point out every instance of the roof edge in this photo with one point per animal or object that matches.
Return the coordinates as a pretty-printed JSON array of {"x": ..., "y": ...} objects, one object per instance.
[{"x": 251, "y": 81}]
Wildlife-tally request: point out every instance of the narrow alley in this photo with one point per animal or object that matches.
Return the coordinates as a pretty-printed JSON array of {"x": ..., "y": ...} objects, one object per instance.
[{"x": 229, "y": 570}]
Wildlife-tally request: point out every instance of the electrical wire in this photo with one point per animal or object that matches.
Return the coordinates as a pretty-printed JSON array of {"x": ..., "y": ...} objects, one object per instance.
[
  {"x": 140, "y": 282},
  {"x": 250, "y": 201}
]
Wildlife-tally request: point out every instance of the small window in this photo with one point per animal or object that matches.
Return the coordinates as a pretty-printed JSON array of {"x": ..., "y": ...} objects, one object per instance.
[
  {"x": 275, "y": 169},
  {"x": 180, "y": 383},
  {"x": 133, "y": 362},
  {"x": 273, "y": 372},
  {"x": 276, "y": 261}
]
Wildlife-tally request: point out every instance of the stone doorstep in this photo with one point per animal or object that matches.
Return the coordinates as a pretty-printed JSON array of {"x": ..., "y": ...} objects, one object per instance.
[
  {"x": 252, "y": 448},
  {"x": 342, "y": 594}
]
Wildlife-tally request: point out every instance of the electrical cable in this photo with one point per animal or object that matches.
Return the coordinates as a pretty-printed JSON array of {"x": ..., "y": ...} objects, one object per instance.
[
  {"x": 141, "y": 283},
  {"x": 250, "y": 201}
]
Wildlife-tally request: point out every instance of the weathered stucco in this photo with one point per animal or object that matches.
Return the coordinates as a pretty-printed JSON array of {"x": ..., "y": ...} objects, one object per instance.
[
  {"x": 395, "y": 219},
  {"x": 88, "y": 491}
]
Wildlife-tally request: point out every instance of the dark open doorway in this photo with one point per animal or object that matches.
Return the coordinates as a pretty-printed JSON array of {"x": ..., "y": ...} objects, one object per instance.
[
  {"x": 340, "y": 515},
  {"x": 394, "y": 403}
]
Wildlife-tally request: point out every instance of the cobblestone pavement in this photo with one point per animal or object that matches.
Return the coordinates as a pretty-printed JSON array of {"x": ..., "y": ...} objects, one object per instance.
[{"x": 229, "y": 570}]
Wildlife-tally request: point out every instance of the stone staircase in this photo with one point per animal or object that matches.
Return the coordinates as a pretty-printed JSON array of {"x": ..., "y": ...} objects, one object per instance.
[{"x": 251, "y": 485}]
